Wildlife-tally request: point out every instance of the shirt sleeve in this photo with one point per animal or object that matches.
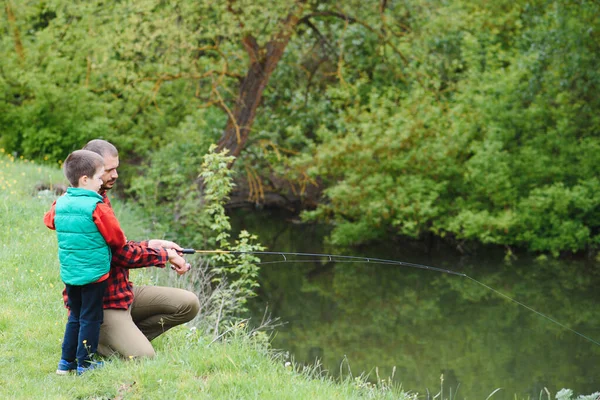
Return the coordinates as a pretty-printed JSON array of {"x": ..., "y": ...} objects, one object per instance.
[
  {"x": 49, "y": 217},
  {"x": 139, "y": 255},
  {"x": 136, "y": 254},
  {"x": 108, "y": 225}
]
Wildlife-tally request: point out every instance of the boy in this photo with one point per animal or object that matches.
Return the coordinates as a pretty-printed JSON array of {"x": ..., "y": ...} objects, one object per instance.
[{"x": 86, "y": 229}]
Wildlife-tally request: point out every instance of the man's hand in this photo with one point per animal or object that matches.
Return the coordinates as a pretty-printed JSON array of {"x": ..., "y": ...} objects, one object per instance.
[
  {"x": 166, "y": 244},
  {"x": 178, "y": 263}
]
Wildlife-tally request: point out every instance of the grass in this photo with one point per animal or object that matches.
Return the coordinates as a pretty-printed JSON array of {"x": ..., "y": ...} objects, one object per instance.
[{"x": 188, "y": 365}]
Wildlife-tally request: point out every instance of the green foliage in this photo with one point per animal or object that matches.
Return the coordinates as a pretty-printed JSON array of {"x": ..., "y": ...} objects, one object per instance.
[
  {"x": 199, "y": 216},
  {"x": 567, "y": 394},
  {"x": 491, "y": 142},
  {"x": 404, "y": 169},
  {"x": 555, "y": 218},
  {"x": 129, "y": 73},
  {"x": 169, "y": 179},
  {"x": 453, "y": 118},
  {"x": 217, "y": 184}
]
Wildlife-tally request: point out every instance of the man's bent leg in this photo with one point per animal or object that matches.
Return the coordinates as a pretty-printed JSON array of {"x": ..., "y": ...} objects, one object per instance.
[
  {"x": 120, "y": 335},
  {"x": 156, "y": 309}
]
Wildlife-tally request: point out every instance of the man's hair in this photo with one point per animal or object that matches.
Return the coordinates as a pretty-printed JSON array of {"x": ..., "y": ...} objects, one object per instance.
[
  {"x": 102, "y": 147},
  {"x": 80, "y": 163}
]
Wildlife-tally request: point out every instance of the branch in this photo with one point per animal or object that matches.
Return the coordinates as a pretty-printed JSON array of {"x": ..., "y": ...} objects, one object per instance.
[
  {"x": 351, "y": 20},
  {"x": 340, "y": 62},
  {"x": 383, "y": 6},
  {"x": 327, "y": 14},
  {"x": 16, "y": 34},
  {"x": 382, "y": 15},
  {"x": 230, "y": 113},
  {"x": 236, "y": 13},
  {"x": 319, "y": 34},
  {"x": 251, "y": 47}
]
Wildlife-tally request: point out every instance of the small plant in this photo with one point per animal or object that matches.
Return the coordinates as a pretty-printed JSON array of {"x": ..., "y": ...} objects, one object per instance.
[
  {"x": 225, "y": 280},
  {"x": 240, "y": 271},
  {"x": 567, "y": 394}
]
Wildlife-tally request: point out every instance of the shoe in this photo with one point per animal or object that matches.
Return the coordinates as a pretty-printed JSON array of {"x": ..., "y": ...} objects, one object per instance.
[
  {"x": 93, "y": 365},
  {"x": 65, "y": 367}
]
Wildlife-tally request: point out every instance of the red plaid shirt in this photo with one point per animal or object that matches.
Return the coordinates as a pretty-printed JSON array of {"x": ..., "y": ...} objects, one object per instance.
[{"x": 119, "y": 292}]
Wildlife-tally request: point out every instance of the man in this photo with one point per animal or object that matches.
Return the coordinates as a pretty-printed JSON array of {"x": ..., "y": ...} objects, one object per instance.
[{"x": 133, "y": 315}]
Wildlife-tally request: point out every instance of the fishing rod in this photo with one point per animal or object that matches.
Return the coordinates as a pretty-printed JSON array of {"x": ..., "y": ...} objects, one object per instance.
[
  {"x": 370, "y": 260},
  {"x": 330, "y": 257}
]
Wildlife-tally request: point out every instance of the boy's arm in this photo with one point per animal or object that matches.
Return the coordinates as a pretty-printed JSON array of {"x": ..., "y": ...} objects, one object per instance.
[
  {"x": 49, "y": 216},
  {"x": 126, "y": 254},
  {"x": 140, "y": 254},
  {"x": 108, "y": 225}
]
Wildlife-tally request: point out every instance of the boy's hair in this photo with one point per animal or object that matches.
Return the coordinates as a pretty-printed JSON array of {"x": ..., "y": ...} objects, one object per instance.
[
  {"x": 80, "y": 163},
  {"x": 101, "y": 147}
]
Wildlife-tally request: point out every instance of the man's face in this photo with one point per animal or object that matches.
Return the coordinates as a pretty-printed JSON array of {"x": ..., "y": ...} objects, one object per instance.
[{"x": 110, "y": 172}]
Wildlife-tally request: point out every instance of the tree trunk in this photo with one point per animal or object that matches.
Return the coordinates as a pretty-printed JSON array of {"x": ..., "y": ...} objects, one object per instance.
[{"x": 262, "y": 64}]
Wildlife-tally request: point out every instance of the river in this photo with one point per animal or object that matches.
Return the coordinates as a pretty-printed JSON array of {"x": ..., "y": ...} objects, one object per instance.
[{"x": 432, "y": 331}]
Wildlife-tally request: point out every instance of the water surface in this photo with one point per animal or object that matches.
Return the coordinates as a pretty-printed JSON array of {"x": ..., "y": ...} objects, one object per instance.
[{"x": 359, "y": 317}]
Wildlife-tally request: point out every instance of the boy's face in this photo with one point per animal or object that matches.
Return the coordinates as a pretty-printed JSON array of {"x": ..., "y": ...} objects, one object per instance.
[{"x": 93, "y": 183}]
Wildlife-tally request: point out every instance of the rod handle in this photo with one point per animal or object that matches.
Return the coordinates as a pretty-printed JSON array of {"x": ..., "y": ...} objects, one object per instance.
[{"x": 188, "y": 251}]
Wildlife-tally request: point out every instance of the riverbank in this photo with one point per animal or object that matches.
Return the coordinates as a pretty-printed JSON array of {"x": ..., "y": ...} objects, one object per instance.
[{"x": 187, "y": 365}]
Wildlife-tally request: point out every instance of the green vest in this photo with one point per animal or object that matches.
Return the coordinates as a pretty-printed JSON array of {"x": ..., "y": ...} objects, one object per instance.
[{"x": 82, "y": 251}]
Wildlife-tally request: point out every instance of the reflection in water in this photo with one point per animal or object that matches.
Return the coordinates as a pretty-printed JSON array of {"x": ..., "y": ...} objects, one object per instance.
[{"x": 361, "y": 316}]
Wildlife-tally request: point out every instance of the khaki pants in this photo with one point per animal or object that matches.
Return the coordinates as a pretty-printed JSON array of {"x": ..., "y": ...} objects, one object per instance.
[{"x": 154, "y": 310}]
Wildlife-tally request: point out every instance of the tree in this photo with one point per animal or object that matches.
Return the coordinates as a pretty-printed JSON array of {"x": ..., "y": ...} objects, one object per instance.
[
  {"x": 467, "y": 120},
  {"x": 155, "y": 56},
  {"x": 263, "y": 61}
]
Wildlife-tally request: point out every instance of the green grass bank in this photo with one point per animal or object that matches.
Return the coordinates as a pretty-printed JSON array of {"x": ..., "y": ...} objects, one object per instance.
[{"x": 187, "y": 365}]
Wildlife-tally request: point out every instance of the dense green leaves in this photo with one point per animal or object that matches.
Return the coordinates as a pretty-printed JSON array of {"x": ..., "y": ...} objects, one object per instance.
[
  {"x": 470, "y": 120},
  {"x": 495, "y": 140}
]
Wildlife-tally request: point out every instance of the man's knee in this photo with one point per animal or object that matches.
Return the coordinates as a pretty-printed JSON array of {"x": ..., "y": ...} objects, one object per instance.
[
  {"x": 146, "y": 352},
  {"x": 190, "y": 305},
  {"x": 141, "y": 349}
]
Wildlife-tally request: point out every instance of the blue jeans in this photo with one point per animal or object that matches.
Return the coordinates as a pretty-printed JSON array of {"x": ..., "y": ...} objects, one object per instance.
[{"x": 83, "y": 326}]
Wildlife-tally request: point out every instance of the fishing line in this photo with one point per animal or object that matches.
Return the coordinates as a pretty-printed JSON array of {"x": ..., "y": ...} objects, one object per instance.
[
  {"x": 355, "y": 259},
  {"x": 537, "y": 312}
]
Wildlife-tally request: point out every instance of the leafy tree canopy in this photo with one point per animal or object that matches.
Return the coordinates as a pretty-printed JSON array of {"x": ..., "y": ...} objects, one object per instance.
[{"x": 474, "y": 121}]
